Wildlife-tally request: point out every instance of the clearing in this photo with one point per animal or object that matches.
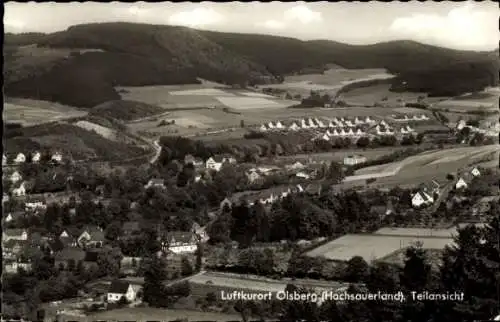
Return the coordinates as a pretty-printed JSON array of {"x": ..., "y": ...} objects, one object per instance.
[
  {"x": 32, "y": 112},
  {"x": 125, "y": 110}
]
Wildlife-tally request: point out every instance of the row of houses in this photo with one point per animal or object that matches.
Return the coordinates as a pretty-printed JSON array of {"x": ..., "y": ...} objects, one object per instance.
[
  {"x": 313, "y": 123},
  {"x": 406, "y": 118},
  {"x": 35, "y": 158}
]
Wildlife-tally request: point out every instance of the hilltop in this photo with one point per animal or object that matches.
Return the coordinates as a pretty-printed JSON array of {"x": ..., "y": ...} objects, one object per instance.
[{"x": 82, "y": 65}]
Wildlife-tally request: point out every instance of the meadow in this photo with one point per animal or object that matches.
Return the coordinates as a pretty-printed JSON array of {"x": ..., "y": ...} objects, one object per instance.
[
  {"x": 32, "y": 112},
  {"x": 367, "y": 96}
]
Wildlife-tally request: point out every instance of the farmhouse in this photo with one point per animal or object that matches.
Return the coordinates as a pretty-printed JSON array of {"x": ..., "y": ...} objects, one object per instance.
[
  {"x": 421, "y": 198},
  {"x": 461, "y": 124},
  {"x": 34, "y": 203},
  {"x": 20, "y": 190},
  {"x": 228, "y": 159},
  {"x": 294, "y": 127},
  {"x": 15, "y": 177},
  {"x": 225, "y": 203},
  {"x": 263, "y": 128},
  {"x": 475, "y": 172},
  {"x": 91, "y": 236},
  {"x": 253, "y": 176},
  {"x": 180, "y": 242},
  {"x": 57, "y": 157},
  {"x": 20, "y": 158},
  {"x": 156, "y": 183},
  {"x": 121, "y": 289},
  {"x": 354, "y": 159},
  {"x": 461, "y": 184},
  {"x": 35, "y": 157},
  {"x": 15, "y": 234},
  {"x": 279, "y": 125},
  {"x": 214, "y": 163},
  {"x": 302, "y": 175}
]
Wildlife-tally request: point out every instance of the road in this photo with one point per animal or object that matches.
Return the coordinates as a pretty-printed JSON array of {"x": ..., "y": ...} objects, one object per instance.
[{"x": 157, "y": 148}]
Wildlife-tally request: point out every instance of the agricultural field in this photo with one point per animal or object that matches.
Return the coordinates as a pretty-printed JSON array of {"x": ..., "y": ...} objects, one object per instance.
[
  {"x": 367, "y": 96},
  {"x": 372, "y": 247},
  {"x": 153, "y": 314},
  {"x": 32, "y": 112},
  {"x": 473, "y": 102},
  {"x": 101, "y": 130}
]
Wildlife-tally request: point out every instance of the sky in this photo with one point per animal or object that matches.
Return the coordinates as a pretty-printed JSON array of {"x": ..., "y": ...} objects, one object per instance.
[{"x": 457, "y": 25}]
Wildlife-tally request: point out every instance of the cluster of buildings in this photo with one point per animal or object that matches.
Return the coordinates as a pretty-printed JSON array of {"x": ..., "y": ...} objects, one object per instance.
[
  {"x": 35, "y": 157},
  {"x": 315, "y": 123},
  {"x": 406, "y": 118}
]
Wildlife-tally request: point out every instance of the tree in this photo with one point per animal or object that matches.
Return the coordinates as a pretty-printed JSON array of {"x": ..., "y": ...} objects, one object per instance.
[
  {"x": 155, "y": 274},
  {"x": 242, "y": 123},
  {"x": 357, "y": 270},
  {"x": 335, "y": 172},
  {"x": 186, "y": 267},
  {"x": 199, "y": 258}
]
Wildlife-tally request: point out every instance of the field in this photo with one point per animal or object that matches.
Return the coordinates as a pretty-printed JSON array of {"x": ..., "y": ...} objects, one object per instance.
[
  {"x": 370, "y": 95},
  {"x": 330, "y": 82},
  {"x": 164, "y": 315},
  {"x": 423, "y": 167},
  {"x": 474, "y": 102},
  {"x": 373, "y": 247},
  {"x": 31, "y": 112},
  {"x": 101, "y": 130}
]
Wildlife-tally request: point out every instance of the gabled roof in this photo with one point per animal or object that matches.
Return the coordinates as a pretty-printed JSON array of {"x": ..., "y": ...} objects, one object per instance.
[
  {"x": 217, "y": 158},
  {"x": 180, "y": 236},
  {"x": 118, "y": 287}
]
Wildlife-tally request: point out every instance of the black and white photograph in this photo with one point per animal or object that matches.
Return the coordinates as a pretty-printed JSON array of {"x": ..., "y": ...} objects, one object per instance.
[{"x": 251, "y": 162}]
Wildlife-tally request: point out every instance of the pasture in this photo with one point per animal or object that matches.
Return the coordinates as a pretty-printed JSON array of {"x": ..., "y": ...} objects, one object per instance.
[
  {"x": 372, "y": 247},
  {"x": 101, "y": 130},
  {"x": 367, "y": 96},
  {"x": 32, "y": 112}
]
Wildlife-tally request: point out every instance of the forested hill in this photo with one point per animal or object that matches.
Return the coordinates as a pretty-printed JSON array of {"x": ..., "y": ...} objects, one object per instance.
[{"x": 81, "y": 65}]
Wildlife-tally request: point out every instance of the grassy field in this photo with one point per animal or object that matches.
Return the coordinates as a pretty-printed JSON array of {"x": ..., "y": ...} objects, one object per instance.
[
  {"x": 373, "y": 247},
  {"x": 31, "y": 112},
  {"x": 153, "y": 314},
  {"x": 376, "y": 93}
]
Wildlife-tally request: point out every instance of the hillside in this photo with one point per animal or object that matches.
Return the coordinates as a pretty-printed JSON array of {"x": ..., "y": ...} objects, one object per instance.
[
  {"x": 80, "y": 143},
  {"x": 125, "y": 110},
  {"x": 86, "y": 62}
]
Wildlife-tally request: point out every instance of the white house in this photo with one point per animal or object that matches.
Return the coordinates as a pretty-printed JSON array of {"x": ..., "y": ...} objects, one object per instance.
[
  {"x": 34, "y": 204},
  {"x": 357, "y": 121},
  {"x": 214, "y": 163},
  {"x": 263, "y": 128},
  {"x": 368, "y": 120},
  {"x": 179, "y": 242},
  {"x": 424, "y": 117},
  {"x": 160, "y": 183},
  {"x": 415, "y": 117},
  {"x": 331, "y": 124},
  {"x": 119, "y": 289},
  {"x": 383, "y": 123},
  {"x": 421, "y": 198},
  {"x": 359, "y": 132},
  {"x": 311, "y": 124},
  {"x": 270, "y": 125},
  {"x": 15, "y": 177},
  {"x": 294, "y": 127},
  {"x": 57, "y": 157},
  {"x": 279, "y": 125},
  {"x": 9, "y": 217},
  {"x": 296, "y": 165},
  {"x": 349, "y": 123},
  {"x": 4, "y": 160},
  {"x": 321, "y": 124},
  {"x": 20, "y": 158},
  {"x": 253, "y": 176},
  {"x": 475, "y": 172},
  {"x": 403, "y": 130},
  {"x": 325, "y": 137},
  {"x": 303, "y": 124},
  {"x": 461, "y": 124},
  {"x": 460, "y": 184},
  {"x": 19, "y": 191},
  {"x": 351, "y": 132},
  {"x": 328, "y": 133},
  {"x": 302, "y": 175},
  {"x": 36, "y": 156},
  {"x": 299, "y": 188},
  {"x": 409, "y": 129},
  {"x": 354, "y": 159},
  {"x": 15, "y": 234},
  {"x": 342, "y": 132}
]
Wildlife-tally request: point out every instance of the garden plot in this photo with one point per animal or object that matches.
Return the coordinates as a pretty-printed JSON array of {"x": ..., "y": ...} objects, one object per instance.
[
  {"x": 373, "y": 247},
  {"x": 239, "y": 103}
]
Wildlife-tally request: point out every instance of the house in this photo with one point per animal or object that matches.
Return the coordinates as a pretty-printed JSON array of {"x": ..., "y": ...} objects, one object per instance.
[
  {"x": 15, "y": 177},
  {"x": 354, "y": 159},
  {"x": 5, "y": 198},
  {"x": 57, "y": 157},
  {"x": 180, "y": 242},
  {"x": 303, "y": 124},
  {"x": 475, "y": 172},
  {"x": 369, "y": 120},
  {"x": 294, "y": 127},
  {"x": 357, "y": 121},
  {"x": 325, "y": 137},
  {"x": 263, "y": 128},
  {"x": 349, "y": 123},
  {"x": 331, "y": 124},
  {"x": 225, "y": 203},
  {"x": 421, "y": 198},
  {"x": 461, "y": 124},
  {"x": 200, "y": 232},
  {"x": 296, "y": 165},
  {"x": 253, "y": 176},
  {"x": 302, "y": 175},
  {"x": 311, "y": 124},
  {"x": 403, "y": 130},
  {"x": 13, "y": 248},
  {"x": 383, "y": 123},
  {"x": 156, "y": 183},
  {"x": 321, "y": 124},
  {"x": 461, "y": 184},
  {"x": 342, "y": 132},
  {"x": 20, "y": 190},
  {"x": 351, "y": 132},
  {"x": 4, "y": 160},
  {"x": 299, "y": 188},
  {"x": 228, "y": 159},
  {"x": 13, "y": 266},
  {"x": 34, "y": 203},
  {"x": 15, "y": 234},
  {"x": 335, "y": 133},
  {"x": 20, "y": 158},
  {"x": 359, "y": 132},
  {"x": 36, "y": 156},
  {"x": 214, "y": 163},
  {"x": 279, "y": 125},
  {"x": 91, "y": 236},
  {"x": 121, "y": 289}
]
